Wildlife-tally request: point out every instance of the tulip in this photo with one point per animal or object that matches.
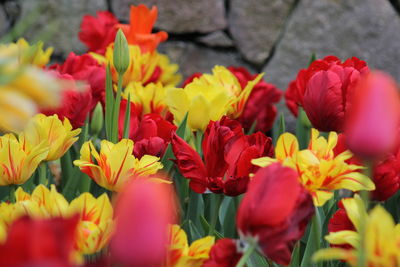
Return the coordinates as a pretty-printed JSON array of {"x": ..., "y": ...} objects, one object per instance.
[
  {"x": 274, "y": 212},
  {"x": 181, "y": 254},
  {"x": 57, "y": 135},
  {"x": 263, "y": 95},
  {"x": 95, "y": 222},
  {"x": 98, "y": 32},
  {"x": 223, "y": 254},
  {"x": 324, "y": 89},
  {"x": 28, "y": 54},
  {"x": 19, "y": 159},
  {"x": 381, "y": 242},
  {"x": 85, "y": 68},
  {"x": 139, "y": 31},
  {"x": 320, "y": 170},
  {"x": 227, "y": 158},
  {"x": 43, "y": 242},
  {"x": 144, "y": 211},
  {"x": 209, "y": 98},
  {"x": 374, "y": 117},
  {"x": 115, "y": 165}
]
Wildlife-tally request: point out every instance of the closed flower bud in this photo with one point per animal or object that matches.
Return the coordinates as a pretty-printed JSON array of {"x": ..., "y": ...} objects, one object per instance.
[
  {"x": 97, "y": 119},
  {"x": 121, "y": 53}
]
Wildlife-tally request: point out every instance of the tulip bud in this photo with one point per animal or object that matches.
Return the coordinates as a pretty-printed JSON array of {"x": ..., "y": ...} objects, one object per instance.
[
  {"x": 373, "y": 119},
  {"x": 96, "y": 123},
  {"x": 121, "y": 53}
]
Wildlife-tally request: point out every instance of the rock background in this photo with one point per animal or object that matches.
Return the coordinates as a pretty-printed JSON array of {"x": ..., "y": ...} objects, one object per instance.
[{"x": 274, "y": 36}]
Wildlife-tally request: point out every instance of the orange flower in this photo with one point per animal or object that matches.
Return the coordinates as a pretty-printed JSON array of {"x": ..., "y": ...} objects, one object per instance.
[{"x": 138, "y": 32}]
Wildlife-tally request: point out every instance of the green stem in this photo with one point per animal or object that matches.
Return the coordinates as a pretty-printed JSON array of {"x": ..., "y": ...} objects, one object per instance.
[
  {"x": 43, "y": 173},
  {"x": 116, "y": 108},
  {"x": 216, "y": 200},
  {"x": 249, "y": 250},
  {"x": 12, "y": 192},
  {"x": 362, "y": 256}
]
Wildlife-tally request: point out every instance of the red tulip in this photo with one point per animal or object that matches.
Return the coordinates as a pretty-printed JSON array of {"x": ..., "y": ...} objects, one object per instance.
[
  {"x": 340, "y": 222},
  {"x": 386, "y": 172},
  {"x": 260, "y": 105},
  {"x": 74, "y": 102},
  {"x": 373, "y": 120},
  {"x": 98, "y": 32},
  {"x": 33, "y": 242},
  {"x": 323, "y": 90},
  {"x": 223, "y": 254},
  {"x": 86, "y": 68},
  {"x": 275, "y": 211},
  {"x": 143, "y": 211},
  {"x": 227, "y": 158}
]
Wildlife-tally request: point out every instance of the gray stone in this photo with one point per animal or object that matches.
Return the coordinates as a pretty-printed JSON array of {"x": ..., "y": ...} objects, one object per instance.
[
  {"x": 256, "y": 25},
  {"x": 192, "y": 58},
  {"x": 367, "y": 29},
  {"x": 59, "y": 22},
  {"x": 3, "y": 22},
  {"x": 216, "y": 39},
  {"x": 180, "y": 16}
]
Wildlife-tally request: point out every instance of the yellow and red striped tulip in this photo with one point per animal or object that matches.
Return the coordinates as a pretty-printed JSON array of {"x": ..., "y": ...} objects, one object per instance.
[
  {"x": 320, "y": 171},
  {"x": 115, "y": 164},
  {"x": 56, "y": 134},
  {"x": 19, "y": 159}
]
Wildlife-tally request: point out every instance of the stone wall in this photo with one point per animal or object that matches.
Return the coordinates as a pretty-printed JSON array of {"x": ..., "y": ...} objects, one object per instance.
[{"x": 274, "y": 36}]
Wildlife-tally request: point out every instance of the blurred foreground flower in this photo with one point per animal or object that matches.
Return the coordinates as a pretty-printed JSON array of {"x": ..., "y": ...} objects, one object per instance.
[
  {"x": 40, "y": 242},
  {"x": 115, "y": 165},
  {"x": 324, "y": 90},
  {"x": 24, "y": 87},
  {"x": 227, "y": 158},
  {"x": 374, "y": 117},
  {"x": 320, "y": 170},
  {"x": 19, "y": 158},
  {"x": 181, "y": 254},
  {"x": 57, "y": 135},
  {"x": 144, "y": 211},
  {"x": 209, "y": 97},
  {"x": 274, "y": 212},
  {"x": 382, "y": 237}
]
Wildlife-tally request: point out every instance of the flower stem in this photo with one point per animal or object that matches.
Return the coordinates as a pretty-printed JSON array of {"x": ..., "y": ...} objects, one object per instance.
[
  {"x": 249, "y": 250},
  {"x": 43, "y": 173},
  {"x": 362, "y": 256},
  {"x": 216, "y": 200}
]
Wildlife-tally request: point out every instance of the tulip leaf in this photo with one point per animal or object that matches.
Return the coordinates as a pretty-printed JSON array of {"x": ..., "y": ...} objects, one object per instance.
[
  {"x": 127, "y": 117},
  {"x": 313, "y": 242},
  {"x": 257, "y": 260},
  {"x": 109, "y": 102},
  {"x": 303, "y": 129},
  {"x": 227, "y": 212},
  {"x": 206, "y": 227}
]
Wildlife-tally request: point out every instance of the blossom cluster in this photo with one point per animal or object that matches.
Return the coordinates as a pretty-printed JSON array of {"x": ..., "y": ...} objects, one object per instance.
[{"x": 110, "y": 159}]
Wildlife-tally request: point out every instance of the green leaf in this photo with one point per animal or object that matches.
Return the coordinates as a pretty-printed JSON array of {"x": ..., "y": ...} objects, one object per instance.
[
  {"x": 227, "y": 212},
  {"x": 127, "y": 117},
  {"x": 109, "y": 102},
  {"x": 313, "y": 242},
  {"x": 312, "y": 58},
  {"x": 302, "y": 129}
]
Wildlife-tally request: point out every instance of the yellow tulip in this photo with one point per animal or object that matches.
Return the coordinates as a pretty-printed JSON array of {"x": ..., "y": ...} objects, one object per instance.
[
  {"x": 209, "y": 97},
  {"x": 143, "y": 67},
  {"x": 96, "y": 214},
  {"x": 57, "y": 135},
  {"x": 382, "y": 237},
  {"x": 96, "y": 222},
  {"x": 26, "y": 53},
  {"x": 320, "y": 171},
  {"x": 151, "y": 98},
  {"x": 115, "y": 164},
  {"x": 24, "y": 89},
  {"x": 19, "y": 159},
  {"x": 181, "y": 254}
]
